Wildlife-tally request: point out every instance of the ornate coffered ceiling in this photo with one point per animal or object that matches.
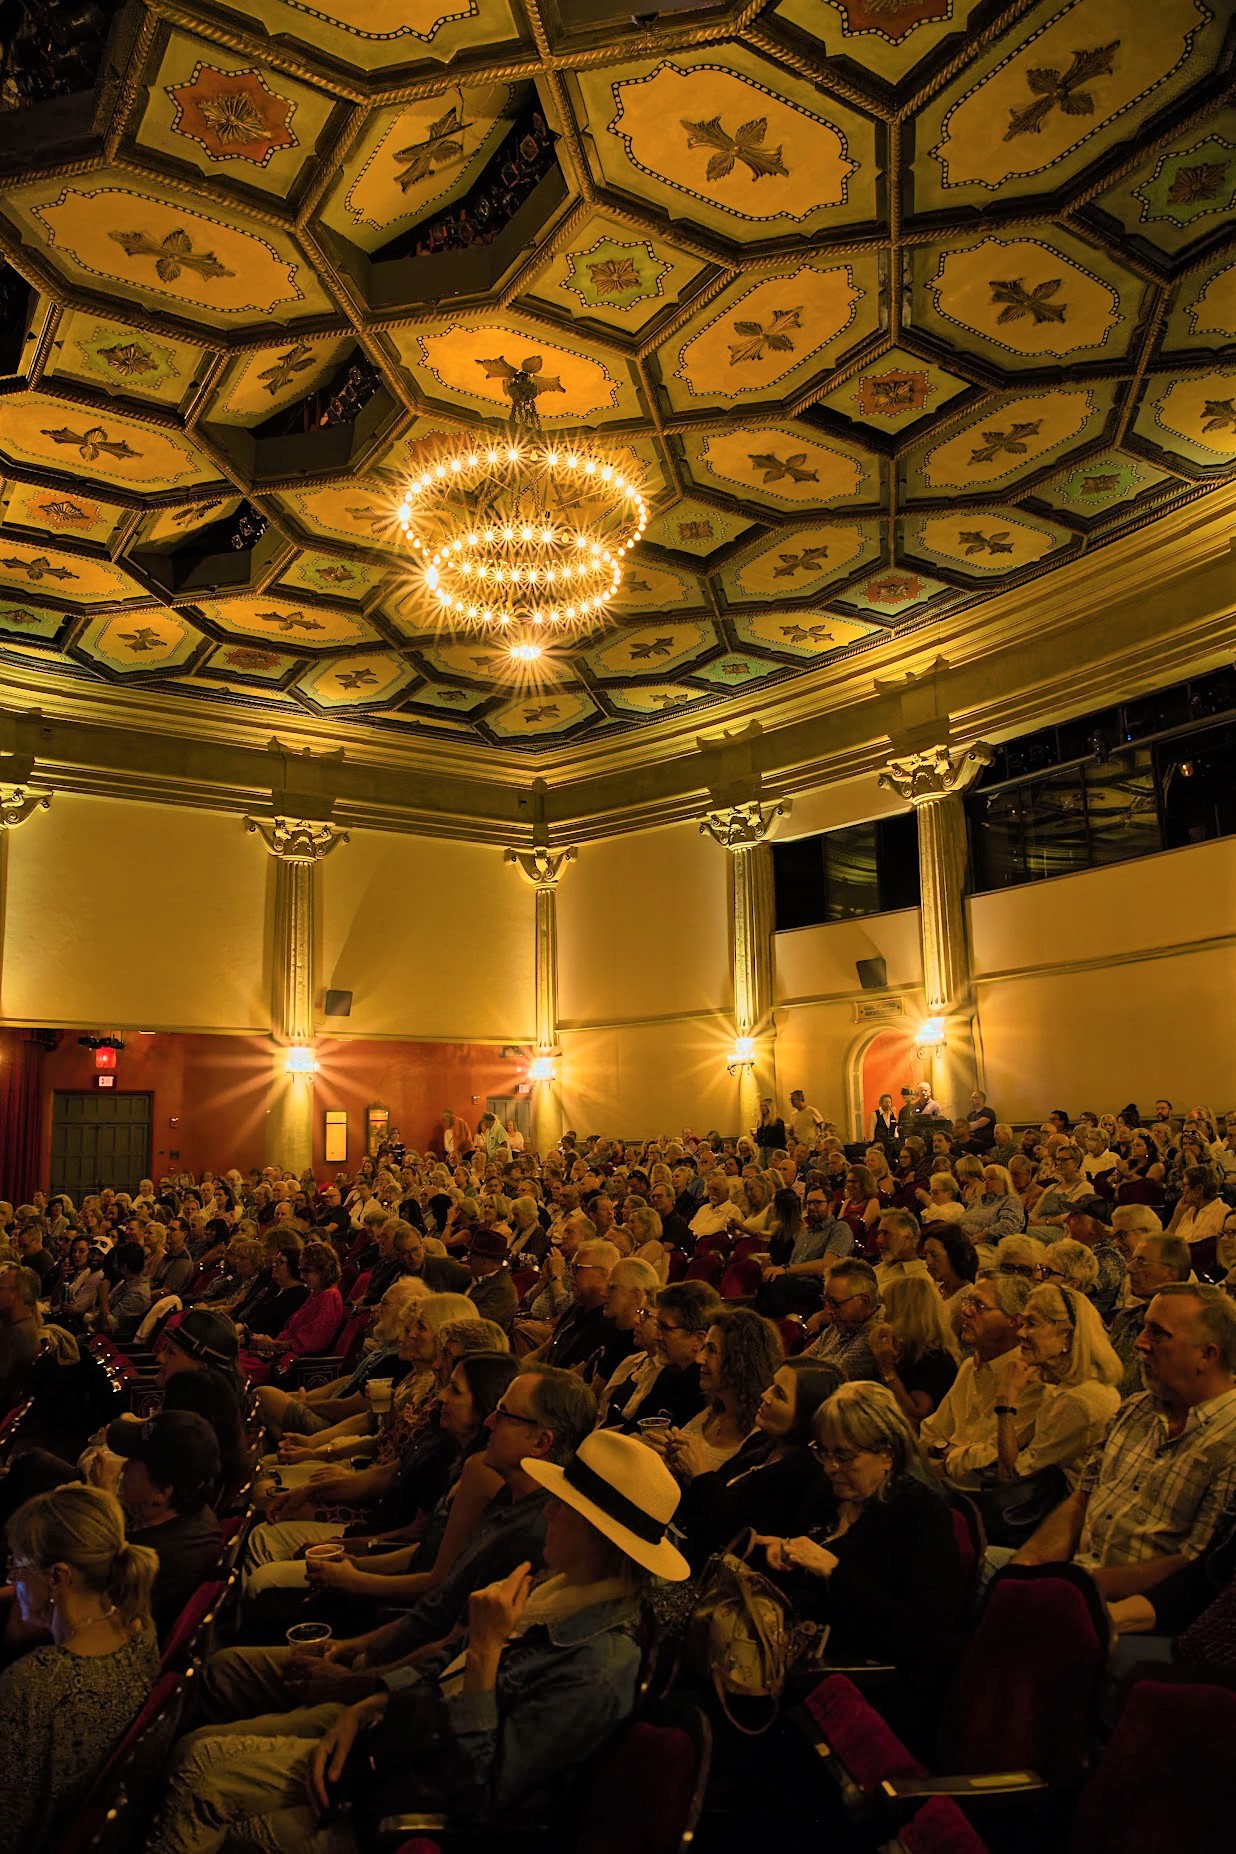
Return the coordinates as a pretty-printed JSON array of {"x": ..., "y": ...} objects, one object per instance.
[{"x": 894, "y": 305}]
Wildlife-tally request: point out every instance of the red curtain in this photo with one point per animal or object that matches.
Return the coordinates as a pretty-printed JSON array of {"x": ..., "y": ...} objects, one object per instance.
[{"x": 21, "y": 1113}]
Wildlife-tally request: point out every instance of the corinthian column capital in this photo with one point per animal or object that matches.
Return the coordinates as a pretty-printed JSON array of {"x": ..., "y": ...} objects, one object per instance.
[
  {"x": 940, "y": 772},
  {"x": 297, "y": 840},
  {"x": 541, "y": 868},
  {"x": 16, "y": 805},
  {"x": 740, "y": 827}
]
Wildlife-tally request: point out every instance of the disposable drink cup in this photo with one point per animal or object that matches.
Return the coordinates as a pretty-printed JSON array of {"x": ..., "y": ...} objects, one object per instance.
[
  {"x": 326, "y": 1553},
  {"x": 381, "y": 1391},
  {"x": 309, "y": 1637}
]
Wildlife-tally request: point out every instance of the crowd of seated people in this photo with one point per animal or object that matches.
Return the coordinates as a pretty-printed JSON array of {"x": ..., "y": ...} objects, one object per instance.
[{"x": 557, "y": 1385}]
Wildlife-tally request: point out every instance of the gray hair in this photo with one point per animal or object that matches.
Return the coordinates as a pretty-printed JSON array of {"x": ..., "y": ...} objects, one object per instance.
[
  {"x": 1136, "y": 1220},
  {"x": 1011, "y": 1291},
  {"x": 867, "y": 1416},
  {"x": 856, "y": 1270},
  {"x": 1078, "y": 1265}
]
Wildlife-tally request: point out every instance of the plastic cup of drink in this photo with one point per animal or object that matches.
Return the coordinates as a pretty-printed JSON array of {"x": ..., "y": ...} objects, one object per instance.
[
  {"x": 309, "y": 1637},
  {"x": 325, "y": 1553},
  {"x": 653, "y": 1425},
  {"x": 380, "y": 1392}
]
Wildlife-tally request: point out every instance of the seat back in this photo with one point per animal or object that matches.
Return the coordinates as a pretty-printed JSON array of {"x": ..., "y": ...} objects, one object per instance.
[
  {"x": 647, "y": 1790},
  {"x": 191, "y": 1624},
  {"x": 1163, "y": 1781},
  {"x": 748, "y": 1245},
  {"x": 858, "y": 1746},
  {"x": 719, "y": 1244},
  {"x": 1029, "y": 1684},
  {"x": 1204, "y": 1254},
  {"x": 741, "y": 1281},
  {"x": 705, "y": 1265},
  {"x": 793, "y": 1332},
  {"x": 677, "y": 1264},
  {"x": 971, "y": 1537}
]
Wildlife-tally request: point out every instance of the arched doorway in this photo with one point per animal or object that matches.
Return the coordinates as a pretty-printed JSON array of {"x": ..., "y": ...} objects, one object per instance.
[{"x": 882, "y": 1060}]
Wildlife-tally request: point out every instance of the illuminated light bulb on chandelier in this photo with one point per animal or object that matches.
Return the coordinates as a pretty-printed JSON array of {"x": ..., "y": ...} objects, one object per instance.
[
  {"x": 491, "y": 457},
  {"x": 431, "y": 578},
  {"x": 455, "y": 466},
  {"x": 525, "y": 653},
  {"x": 607, "y": 473},
  {"x": 525, "y": 533},
  {"x": 473, "y": 460},
  {"x": 512, "y": 455},
  {"x": 573, "y": 461}
]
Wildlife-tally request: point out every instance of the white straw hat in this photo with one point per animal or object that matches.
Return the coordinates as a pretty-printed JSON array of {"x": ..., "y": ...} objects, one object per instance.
[{"x": 626, "y": 1491}]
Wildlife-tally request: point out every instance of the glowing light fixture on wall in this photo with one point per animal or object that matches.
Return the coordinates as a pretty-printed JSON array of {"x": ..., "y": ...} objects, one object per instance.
[
  {"x": 742, "y": 1056},
  {"x": 542, "y": 1069},
  {"x": 300, "y": 1060},
  {"x": 930, "y": 1038}
]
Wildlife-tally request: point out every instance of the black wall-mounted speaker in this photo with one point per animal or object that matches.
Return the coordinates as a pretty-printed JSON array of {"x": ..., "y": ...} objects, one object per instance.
[
  {"x": 872, "y": 974},
  {"x": 338, "y": 1004}
]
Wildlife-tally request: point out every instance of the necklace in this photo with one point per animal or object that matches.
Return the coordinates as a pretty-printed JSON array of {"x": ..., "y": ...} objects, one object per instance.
[{"x": 89, "y": 1623}]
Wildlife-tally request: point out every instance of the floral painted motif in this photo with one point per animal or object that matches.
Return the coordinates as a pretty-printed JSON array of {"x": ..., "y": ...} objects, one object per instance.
[
  {"x": 1067, "y": 91},
  {"x": 775, "y": 469},
  {"x": 757, "y": 340},
  {"x": 233, "y": 115},
  {"x": 1020, "y": 302},
  {"x": 892, "y": 19},
  {"x": 172, "y": 255},
  {"x": 745, "y": 145},
  {"x": 92, "y": 444},
  {"x": 888, "y": 394}
]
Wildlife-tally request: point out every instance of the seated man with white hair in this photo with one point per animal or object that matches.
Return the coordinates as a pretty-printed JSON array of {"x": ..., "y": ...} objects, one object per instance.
[
  {"x": 304, "y": 1413},
  {"x": 584, "y": 1328}
]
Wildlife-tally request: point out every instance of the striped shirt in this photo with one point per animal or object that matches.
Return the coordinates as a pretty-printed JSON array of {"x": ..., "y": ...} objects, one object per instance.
[{"x": 1152, "y": 1494}]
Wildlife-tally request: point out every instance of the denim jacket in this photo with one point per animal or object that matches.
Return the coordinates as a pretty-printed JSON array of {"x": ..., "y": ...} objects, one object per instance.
[{"x": 562, "y": 1691}]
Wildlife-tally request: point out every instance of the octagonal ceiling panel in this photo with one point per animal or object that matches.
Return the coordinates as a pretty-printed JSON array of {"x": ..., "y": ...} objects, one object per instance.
[
  {"x": 894, "y": 391},
  {"x": 1020, "y": 300},
  {"x": 382, "y": 35},
  {"x": 1182, "y": 193},
  {"x": 63, "y": 436},
  {"x": 1029, "y": 113},
  {"x": 469, "y": 362},
  {"x": 1204, "y": 312},
  {"x": 307, "y": 628},
  {"x": 234, "y": 122},
  {"x": 800, "y": 562},
  {"x": 307, "y": 245},
  {"x": 767, "y": 339},
  {"x": 976, "y": 546},
  {"x": 610, "y": 273},
  {"x": 124, "y": 361},
  {"x": 786, "y": 468},
  {"x": 666, "y": 648},
  {"x": 58, "y": 515},
  {"x": 1010, "y": 438},
  {"x": 1191, "y": 417},
  {"x": 798, "y": 637},
  {"x": 374, "y": 680},
  {"x": 75, "y": 578},
  {"x": 134, "y": 644},
  {"x": 729, "y": 142},
  {"x": 886, "y": 37},
  {"x": 150, "y": 245},
  {"x": 412, "y": 161}
]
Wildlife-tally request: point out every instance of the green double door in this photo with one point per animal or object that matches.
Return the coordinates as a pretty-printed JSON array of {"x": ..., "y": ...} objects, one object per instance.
[{"x": 99, "y": 1139}]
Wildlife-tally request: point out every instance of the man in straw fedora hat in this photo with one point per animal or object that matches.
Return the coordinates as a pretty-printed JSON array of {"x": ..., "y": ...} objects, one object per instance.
[{"x": 548, "y": 1671}]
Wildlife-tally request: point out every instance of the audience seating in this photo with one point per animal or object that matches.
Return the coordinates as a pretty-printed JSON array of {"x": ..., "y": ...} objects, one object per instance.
[
  {"x": 192, "y": 1626},
  {"x": 793, "y": 1331},
  {"x": 741, "y": 1282},
  {"x": 1164, "y": 1781},
  {"x": 111, "y": 1818},
  {"x": 705, "y": 1265}
]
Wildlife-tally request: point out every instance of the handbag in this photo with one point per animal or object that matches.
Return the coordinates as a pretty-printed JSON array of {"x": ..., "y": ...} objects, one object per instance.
[
  {"x": 744, "y": 1638},
  {"x": 1012, "y": 1510}
]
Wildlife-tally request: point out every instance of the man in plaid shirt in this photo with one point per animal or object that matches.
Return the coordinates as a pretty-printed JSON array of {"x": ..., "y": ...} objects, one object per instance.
[{"x": 1150, "y": 1498}]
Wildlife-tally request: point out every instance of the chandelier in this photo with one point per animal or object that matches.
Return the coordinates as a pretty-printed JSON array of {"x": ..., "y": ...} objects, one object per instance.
[{"x": 521, "y": 531}]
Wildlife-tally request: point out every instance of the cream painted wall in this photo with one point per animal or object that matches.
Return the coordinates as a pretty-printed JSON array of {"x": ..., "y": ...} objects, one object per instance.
[
  {"x": 831, "y": 807},
  {"x": 1164, "y": 900},
  {"x": 814, "y": 962},
  {"x": 646, "y": 1079},
  {"x": 643, "y": 928},
  {"x": 127, "y": 915},
  {"x": 434, "y": 939},
  {"x": 1125, "y": 1027}
]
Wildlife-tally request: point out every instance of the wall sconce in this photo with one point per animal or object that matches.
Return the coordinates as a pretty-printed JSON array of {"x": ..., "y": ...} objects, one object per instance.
[
  {"x": 300, "y": 1060},
  {"x": 542, "y": 1069},
  {"x": 742, "y": 1056},
  {"x": 930, "y": 1037}
]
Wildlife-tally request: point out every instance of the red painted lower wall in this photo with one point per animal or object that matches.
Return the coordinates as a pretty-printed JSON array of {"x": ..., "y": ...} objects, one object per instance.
[{"x": 218, "y": 1090}]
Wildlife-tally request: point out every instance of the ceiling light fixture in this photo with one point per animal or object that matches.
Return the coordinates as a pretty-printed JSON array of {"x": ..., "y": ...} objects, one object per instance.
[{"x": 522, "y": 530}]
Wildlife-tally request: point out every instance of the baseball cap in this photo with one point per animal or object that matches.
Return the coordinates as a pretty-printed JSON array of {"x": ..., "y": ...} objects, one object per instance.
[
  {"x": 1096, "y": 1207},
  {"x": 178, "y": 1449}
]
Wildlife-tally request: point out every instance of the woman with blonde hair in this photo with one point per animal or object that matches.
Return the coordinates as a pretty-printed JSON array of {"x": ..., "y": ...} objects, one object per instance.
[
  {"x": 64, "y": 1706},
  {"x": 915, "y": 1346},
  {"x": 1065, "y": 1349},
  {"x": 876, "y": 1162}
]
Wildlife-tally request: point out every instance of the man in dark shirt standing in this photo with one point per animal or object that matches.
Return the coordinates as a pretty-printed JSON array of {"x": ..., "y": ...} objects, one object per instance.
[{"x": 982, "y": 1122}]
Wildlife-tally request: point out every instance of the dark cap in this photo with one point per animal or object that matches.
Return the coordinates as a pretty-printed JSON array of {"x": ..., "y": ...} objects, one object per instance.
[
  {"x": 489, "y": 1243},
  {"x": 203, "y": 1334},
  {"x": 178, "y": 1449},
  {"x": 1096, "y": 1207}
]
